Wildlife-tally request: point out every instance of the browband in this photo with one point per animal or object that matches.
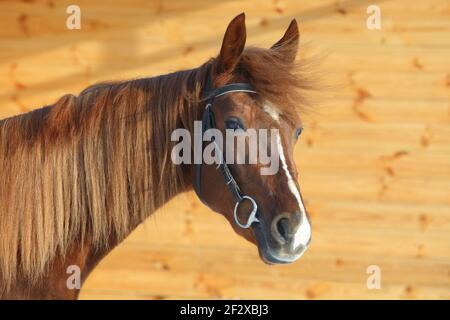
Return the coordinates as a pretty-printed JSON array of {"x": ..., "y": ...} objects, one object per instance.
[{"x": 229, "y": 88}]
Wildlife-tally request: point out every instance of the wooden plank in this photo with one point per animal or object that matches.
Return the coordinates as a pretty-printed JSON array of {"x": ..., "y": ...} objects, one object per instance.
[
  {"x": 380, "y": 162},
  {"x": 205, "y": 277},
  {"x": 373, "y": 110},
  {"x": 117, "y": 13},
  {"x": 376, "y": 188},
  {"x": 399, "y": 137}
]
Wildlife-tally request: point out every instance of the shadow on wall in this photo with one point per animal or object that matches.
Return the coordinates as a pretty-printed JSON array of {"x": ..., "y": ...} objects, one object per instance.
[{"x": 94, "y": 26}]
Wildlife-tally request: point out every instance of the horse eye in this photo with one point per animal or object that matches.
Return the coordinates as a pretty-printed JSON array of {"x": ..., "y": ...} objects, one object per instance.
[
  {"x": 298, "y": 132},
  {"x": 234, "y": 124}
]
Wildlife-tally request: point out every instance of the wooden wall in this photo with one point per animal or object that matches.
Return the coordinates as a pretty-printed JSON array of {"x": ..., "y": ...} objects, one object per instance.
[{"x": 374, "y": 159}]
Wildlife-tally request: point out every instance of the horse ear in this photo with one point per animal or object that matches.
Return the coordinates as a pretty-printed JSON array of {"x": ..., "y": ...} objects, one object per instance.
[
  {"x": 233, "y": 44},
  {"x": 288, "y": 44}
]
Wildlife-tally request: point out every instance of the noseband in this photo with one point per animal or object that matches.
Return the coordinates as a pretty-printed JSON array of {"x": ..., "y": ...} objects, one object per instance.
[{"x": 208, "y": 122}]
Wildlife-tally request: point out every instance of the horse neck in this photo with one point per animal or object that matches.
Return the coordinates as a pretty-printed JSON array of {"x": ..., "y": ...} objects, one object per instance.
[{"x": 99, "y": 164}]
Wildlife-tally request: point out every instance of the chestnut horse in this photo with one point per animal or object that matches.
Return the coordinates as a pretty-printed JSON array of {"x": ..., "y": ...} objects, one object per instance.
[{"x": 78, "y": 176}]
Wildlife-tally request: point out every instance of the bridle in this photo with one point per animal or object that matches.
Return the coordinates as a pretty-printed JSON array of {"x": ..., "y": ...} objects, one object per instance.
[{"x": 208, "y": 122}]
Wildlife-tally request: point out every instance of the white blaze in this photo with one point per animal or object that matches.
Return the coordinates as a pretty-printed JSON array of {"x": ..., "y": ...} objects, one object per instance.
[
  {"x": 271, "y": 111},
  {"x": 303, "y": 234}
]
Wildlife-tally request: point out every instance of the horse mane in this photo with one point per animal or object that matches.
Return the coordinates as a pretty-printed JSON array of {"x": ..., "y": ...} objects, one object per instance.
[
  {"x": 285, "y": 84},
  {"x": 93, "y": 166}
]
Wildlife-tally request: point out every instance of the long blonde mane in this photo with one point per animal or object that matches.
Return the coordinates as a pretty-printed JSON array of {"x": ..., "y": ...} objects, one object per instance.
[{"x": 94, "y": 165}]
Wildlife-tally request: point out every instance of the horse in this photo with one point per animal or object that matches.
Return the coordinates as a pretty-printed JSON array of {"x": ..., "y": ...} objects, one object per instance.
[{"x": 80, "y": 175}]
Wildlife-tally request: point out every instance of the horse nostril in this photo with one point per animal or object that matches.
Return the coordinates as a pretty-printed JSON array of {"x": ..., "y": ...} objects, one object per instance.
[{"x": 283, "y": 228}]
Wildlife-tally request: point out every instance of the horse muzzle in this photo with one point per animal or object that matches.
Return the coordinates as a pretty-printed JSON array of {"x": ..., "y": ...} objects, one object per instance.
[{"x": 278, "y": 242}]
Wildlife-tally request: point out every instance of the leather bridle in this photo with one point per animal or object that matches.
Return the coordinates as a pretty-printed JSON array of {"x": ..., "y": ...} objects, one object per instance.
[{"x": 208, "y": 122}]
